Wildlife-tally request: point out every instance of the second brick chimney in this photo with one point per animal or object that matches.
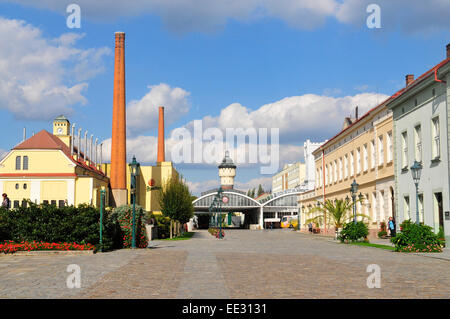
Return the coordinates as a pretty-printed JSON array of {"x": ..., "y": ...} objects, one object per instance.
[{"x": 409, "y": 79}]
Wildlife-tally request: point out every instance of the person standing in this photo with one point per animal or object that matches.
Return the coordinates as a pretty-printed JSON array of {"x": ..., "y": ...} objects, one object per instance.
[
  {"x": 310, "y": 227},
  {"x": 6, "y": 202},
  {"x": 391, "y": 225}
]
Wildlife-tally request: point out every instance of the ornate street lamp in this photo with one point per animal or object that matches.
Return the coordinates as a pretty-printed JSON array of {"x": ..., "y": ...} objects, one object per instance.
[
  {"x": 102, "y": 208},
  {"x": 134, "y": 169},
  {"x": 353, "y": 191},
  {"x": 416, "y": 170}
]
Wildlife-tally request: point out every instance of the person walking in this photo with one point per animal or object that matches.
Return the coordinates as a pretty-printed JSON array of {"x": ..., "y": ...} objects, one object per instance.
[
  {"x": 310, "y": 227},
  {"x": 391, "y": 225},
  {"x": 6, "y": 202}
]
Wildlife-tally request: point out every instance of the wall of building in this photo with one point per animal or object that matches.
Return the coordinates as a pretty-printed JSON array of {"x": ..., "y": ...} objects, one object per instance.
[
  {"x": 435, "y": 173},
  {"x": 374, "y": 173}
]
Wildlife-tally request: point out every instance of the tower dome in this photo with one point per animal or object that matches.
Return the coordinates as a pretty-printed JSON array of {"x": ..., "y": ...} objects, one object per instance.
[{"x": 227, "y": 172}]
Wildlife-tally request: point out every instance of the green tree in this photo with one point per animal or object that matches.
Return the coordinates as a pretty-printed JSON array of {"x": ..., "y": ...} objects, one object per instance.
[
  {"x": 260, "y": 190},
  {"x": 175, "y": 200},
  {"x": 336, "y": 213}
]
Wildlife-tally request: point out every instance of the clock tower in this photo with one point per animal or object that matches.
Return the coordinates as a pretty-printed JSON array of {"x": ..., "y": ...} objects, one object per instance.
[{"x": 61, "y": 129}]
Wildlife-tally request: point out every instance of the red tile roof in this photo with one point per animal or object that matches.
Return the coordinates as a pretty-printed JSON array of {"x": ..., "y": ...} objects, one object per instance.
[
  {"x": 48, "y": 141},
  {"x": 390, "y": 99}
]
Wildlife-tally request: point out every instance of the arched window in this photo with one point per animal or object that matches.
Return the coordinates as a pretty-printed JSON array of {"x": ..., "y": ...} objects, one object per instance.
[
  {"x": 18, "y": 162},
  {"x": 25, "y": 163}
]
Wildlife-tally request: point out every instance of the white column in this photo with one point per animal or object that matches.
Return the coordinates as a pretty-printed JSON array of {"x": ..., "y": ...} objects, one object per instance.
[{"x": 261, "y": 217}]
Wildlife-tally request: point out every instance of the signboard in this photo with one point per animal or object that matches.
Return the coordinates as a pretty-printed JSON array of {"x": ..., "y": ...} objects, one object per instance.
[{"x": 225, "y": 199}]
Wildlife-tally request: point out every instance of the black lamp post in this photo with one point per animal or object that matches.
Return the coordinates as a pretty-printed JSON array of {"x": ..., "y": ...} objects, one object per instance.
[
  {"x": 134, "y": 169},
  {"x": 354, "y": 190},
  {"x": 416, "y": 170}
]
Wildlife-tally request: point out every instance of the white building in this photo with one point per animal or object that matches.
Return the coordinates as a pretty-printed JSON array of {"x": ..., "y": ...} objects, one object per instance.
[{"x": 421, "y": 121}]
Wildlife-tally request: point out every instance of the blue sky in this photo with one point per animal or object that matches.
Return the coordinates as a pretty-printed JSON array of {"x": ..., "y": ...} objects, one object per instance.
[{"x": 237, "y": 59}]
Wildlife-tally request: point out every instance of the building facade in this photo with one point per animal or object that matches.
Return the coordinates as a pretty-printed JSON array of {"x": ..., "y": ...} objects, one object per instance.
[
  {"x": 291, "y": 176},
  {"x": 363, "y": 152},
  {"x": 421, "y": 133},
  {"x": 49, "y": 168}
]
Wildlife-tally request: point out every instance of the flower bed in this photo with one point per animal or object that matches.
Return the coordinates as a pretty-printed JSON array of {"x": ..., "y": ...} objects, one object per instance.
[
  {"x": 10, "y": 247},
  {"x": 423, "y": 248},
  {"x": 215, "y": 232}
]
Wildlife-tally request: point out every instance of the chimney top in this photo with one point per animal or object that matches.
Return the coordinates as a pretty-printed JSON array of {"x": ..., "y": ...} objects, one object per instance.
[
  {"x": 409, "y": 79},
  {"x": 448, "y": 51},
  {"x": 356, "y": 112}
]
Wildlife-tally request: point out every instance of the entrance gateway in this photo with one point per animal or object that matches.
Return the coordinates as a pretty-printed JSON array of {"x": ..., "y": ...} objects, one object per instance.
[{"x": 243, "y": 211}]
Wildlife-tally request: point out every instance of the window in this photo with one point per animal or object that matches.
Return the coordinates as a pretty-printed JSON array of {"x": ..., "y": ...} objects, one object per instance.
[
  {"x": 436, "y": 139},
  {"x": 17, "y": 186},
  {"x": 25, "y": 186},
  {"x": 326, "y": 174},
  {"x": 418, "y": 143},
  {"x": 372, "y": 154},
  {"x": 340, "y": 169},
  {"x": 16, "y": 204},
  {"x": 390, "y": 147},
  {"x": 404, "y": 150},
  {"x": 366, "y": 158},
  {"x": 335, "y": 172},
  {"x": 351, "y": 164},
  {"x": 18, "y": 162},
  {"x": 380, "y": 150},
  {"x": 346, "y": 166},
  {"x": 24, "y": 203},
  {"x": 53, "y": 202},
  {"x": 406, "y": 211},
  {"x": 61, "y": 203},
  {"x": 358, "y": 160},
  {"x": 25, "y": 163}
]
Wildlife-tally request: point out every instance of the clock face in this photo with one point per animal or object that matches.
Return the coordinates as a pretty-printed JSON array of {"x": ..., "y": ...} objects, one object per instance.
[{"x": 60, "y": 130}]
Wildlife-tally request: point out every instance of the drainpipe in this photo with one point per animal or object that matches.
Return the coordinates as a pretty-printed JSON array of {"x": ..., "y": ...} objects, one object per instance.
[{"x": 436, "y": 78}]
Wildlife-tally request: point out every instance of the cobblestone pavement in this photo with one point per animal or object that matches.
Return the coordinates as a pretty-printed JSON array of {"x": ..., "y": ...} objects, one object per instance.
[{"x": 245, "y": 264}]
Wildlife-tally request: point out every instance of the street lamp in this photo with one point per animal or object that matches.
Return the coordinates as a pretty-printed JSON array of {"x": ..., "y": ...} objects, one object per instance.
[
  {"x": 354, "y": 190},
  {"x": 102, "y": 208},
  {"x": 134, "y": 169},
  {"x": 416, "y": 169}
]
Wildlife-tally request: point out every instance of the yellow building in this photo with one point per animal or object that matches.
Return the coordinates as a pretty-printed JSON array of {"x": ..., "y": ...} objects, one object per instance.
[
  {"x": 149, "y": 180},
  {"x": 48, "y": 168},
  {"x": 363, "y": 152},
  {"x": 290, "y": 177},
  {"x": 54, "y": 169}
]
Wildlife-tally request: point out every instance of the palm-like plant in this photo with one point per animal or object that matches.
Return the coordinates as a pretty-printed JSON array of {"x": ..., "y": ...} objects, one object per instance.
[{"x": 336, "y": 212}]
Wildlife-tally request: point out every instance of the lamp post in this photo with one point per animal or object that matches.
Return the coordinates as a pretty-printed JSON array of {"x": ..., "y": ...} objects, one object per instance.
[
  {"x": 354, "y": 190},
  {"x": 102, "y": 207},
  {"x": 134, "y": 169},
  {"x": 416, "y": 170}
]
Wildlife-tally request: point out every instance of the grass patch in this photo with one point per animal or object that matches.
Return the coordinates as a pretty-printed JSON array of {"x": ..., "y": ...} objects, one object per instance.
[
  {"x": 185, "y": 236},
  {"x": 374, "y": 245}
]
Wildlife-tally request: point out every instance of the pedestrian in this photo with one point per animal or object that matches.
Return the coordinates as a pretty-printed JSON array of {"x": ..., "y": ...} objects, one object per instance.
[
  {"x": 391, "y": 225},
  {"x": 6, "y": 202},
  {"x": 310, "y": 227}
]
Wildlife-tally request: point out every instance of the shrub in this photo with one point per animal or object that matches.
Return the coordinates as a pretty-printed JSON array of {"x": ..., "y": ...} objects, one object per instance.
[
  {"x": 416, "y": 238},
  {"x": 51, "y": 224},
  {"x": 441, "y": 236},
  {"x": 382, "y": 233},
  {"x": 215, "y": 232},
  {"x": 353, "y": 232},
  {"x": 124, "y": 215}
]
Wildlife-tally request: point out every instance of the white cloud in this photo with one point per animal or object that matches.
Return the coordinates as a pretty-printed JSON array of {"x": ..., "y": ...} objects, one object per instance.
[
  {"x": 39, "y": 77},
  {"x": 197, "y": 188},
  {"x": 142, "y": 115},
  {"x": 297, "y": 117},
  {"x": 181, "y": 16}
]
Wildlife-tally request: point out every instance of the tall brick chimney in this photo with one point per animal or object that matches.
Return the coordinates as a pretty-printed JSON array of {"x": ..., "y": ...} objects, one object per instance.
[
  {"x": 161, "y": 149},
  {"x": 448, "y": 51},
  {"x": 118, "y": 142},
  {"x": 409, "y": 79}
]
